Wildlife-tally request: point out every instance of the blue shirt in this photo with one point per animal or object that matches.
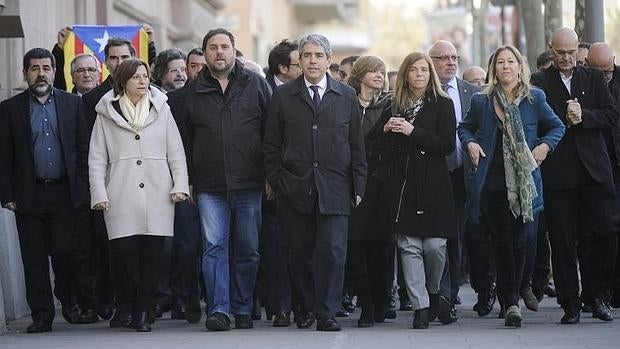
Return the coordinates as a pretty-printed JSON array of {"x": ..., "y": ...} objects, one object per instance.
[{"x": 46, "y": 146}]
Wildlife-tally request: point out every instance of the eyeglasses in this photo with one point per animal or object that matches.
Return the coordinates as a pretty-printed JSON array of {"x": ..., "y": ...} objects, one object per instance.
[
  {"x": 177, "y": 70},
  {"x": 563, "y": 52},
  {"x": 447, "y": 58},
  {"x": 85, "y": 70}
]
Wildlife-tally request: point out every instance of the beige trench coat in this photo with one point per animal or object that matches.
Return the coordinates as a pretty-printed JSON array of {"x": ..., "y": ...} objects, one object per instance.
[{"x": 137, "y": 170}]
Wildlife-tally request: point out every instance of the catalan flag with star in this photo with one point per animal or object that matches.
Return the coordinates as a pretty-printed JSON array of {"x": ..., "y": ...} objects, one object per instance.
[{"x": 93, "y": 38}]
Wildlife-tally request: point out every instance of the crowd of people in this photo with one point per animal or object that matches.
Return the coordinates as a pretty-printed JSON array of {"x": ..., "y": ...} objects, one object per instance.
[{"x": 313, "y": 187}]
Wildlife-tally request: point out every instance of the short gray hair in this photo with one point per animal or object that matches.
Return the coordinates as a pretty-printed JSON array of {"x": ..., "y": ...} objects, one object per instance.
[
  {"x": 81, "y": 56},
  {"x": 316, "y": 39}
]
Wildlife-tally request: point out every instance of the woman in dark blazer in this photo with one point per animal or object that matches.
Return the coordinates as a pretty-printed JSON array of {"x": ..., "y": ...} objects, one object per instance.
[
  {"x": 508, "y": 132},
  {"x": 417, "y": 135},
  {"x": 369, "y": 244}
]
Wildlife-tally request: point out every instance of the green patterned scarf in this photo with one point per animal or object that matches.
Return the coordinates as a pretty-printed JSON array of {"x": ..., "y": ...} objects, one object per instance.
[{"x": 519, "y": 163}]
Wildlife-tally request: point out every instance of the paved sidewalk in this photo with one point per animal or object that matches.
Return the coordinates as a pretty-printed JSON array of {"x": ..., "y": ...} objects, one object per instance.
[{"x": 540, "y": 330}]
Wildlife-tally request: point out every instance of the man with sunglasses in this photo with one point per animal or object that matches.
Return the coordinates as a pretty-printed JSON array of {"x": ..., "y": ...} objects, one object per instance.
[{"x": 577, "y": 180}]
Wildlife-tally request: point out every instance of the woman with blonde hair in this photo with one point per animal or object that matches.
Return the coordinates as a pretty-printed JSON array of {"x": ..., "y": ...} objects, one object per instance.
[
  {"x": 416, "y": 134},
  {"x": 508, "y": 132}
]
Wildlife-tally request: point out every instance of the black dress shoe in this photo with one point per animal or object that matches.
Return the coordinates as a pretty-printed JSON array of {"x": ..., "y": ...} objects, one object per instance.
[
  {"x": 105, "y": 311},
  {"x": 549, "y": 291},
  {"x": 458, "y": 301},
  {"x": 141, "y": 321},
  {"x": 381, "y": 313},
  {"x": 342, "y": 313},
  {"x": 571, "y": 315},
  {"x": 178, "y": 312},
  {"x": 389, "y": 314},
  {"x": 160, "y": 309},
  {"x": 328, "y": 325},
  {"x": 304, "y": 320},
  {"x": 539, "y": 293},
  {"x": 243, "y": 322},
  {"x": 282, "y": 319},
  {"x": 39, "y": 326},
  {"x": 601, "y": 311},
  {"x": 486, "y": 300},
  {"x": 71, "y": 314},
  {"x": 218, "y": 322},
  {"x": 88, "y": 316},
  {"x": 256, "y": 309},
  {"x": 194, "y": 313},
  {"x": 447, "y": 311},
  {"x": 405, "y": 304},
  {"x": 367, "y": 317},
  {"x": 420, "y": 319},
  {"x": 121, "y": 318}
]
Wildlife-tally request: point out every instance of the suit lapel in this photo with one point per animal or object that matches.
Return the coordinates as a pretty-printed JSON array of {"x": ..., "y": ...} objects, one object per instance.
[{"x": 464, "y": 95}]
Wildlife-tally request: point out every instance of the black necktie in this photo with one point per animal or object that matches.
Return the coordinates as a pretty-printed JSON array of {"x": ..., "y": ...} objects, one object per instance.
[{"x": 315, "y": 97}]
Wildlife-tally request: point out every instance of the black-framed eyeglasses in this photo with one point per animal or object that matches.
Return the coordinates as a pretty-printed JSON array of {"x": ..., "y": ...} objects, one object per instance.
[
  {"x": 446, "y": 58},
  {"x": 85, "y": 70},
  {"x": 563, "y": 52}
]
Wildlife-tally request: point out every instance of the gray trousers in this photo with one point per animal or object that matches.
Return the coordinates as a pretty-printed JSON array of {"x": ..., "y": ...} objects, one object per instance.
[{"x": 423, "y": 261}]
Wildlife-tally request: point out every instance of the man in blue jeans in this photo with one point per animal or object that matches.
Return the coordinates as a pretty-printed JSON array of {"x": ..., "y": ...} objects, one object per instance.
[{"x": 223, "y": 114}]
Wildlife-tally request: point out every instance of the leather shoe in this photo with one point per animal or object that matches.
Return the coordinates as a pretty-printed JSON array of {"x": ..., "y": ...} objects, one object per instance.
[
  {"x": 105, "y": 311},
  {"x": 420, "y": 319},
  {"x": 304, "y": 320},
  {"x": 256, "y": 309},
  {"x": 447, "y": 312},
  {"x": 141, "y": 321},
  {"x": 121, "y": 318},
  {"x": 327, "y": 324},
  {"x": 549, "y": 291},
  {"x": 405, "y": 304},
  {"x": 513, "y": 316},
  {"x": 615, "y": 298},
  {"x": 389, "y": 314},
  {"x": 601, "y": 311},
  {"x": 178, "y": 311},
  {"x": 367, "y": 316},
  {"x": 282, "y": 319},
  {"x": 194, "y": 313},
  {"x": 529, "y": 299},
  {"x": 160, "y": 309},
  {"x": 486, "y": 300},
  {"x": 571, "y": 315},
  {"x": 71, "y": 314},
  {"x": 243, "y": 322},
  {"x": 88, "y": 316},
  {"x": 381, "y": 313},
  {"x": 342, "y": 313},
  {"x": 218, "y": 322},
  {"x": 39, "y": 326}
]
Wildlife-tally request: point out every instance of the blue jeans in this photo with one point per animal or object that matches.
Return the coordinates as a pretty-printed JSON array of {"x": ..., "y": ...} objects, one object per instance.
[{"x": 230, "y": 219}]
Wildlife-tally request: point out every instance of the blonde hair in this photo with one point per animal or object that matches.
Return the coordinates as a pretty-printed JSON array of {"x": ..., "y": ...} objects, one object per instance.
[
  {"x": 402, "y": 93},
  {"x": 523, "y": 86},
  {"x": 362, "y": 66}
]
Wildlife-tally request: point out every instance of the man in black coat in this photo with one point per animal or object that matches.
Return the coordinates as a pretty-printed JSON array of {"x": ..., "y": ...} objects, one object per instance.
[
  {"x": 577, "y": 180},
  {"x": 43, "y": 180},
  {"x": 315, "y": 162},
  {"x": 601, "y": 56}
]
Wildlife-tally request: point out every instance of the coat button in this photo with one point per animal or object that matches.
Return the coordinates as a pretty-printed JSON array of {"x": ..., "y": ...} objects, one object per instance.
[
  {"x": 139, "y": 162},
  {"x": 316, "y": 164},
  {"x": 141, "y": 185},
  {"x": 137, "y": 137},
  {"x": 314, "y": 127}
]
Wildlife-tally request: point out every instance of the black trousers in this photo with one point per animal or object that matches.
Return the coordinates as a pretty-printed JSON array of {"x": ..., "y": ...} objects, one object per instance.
[
  {"x": 137, "y": 264},
  {"x": 101, "y": 259},
  {"x": 318, "y": 248},
  {"x": 481, "y": 257},
  {"x": 581, "y": 232},
  {"x": 273, "y": 284},
  {"x": 369, "y": 259},
  {"x": 509, "y": 240},
  {"x": 615, "y": 282},
  {"x": 84, "y": 287},
  {"x": 186, "y": 250},
  {"x": 48, "y": 229},
  {"x": 451, "y": 278},
  {"x": 542, "y": 263}
]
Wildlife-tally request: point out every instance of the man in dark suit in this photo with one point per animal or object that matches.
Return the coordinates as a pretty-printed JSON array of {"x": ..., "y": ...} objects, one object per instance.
[
  {"x": 315, "y": 162},
  {"x": 577, "y": 179},
  {"x": 445, "y": 59},
  {"x": 602, "y": 57},
  {"x": 43, "y": 180}
]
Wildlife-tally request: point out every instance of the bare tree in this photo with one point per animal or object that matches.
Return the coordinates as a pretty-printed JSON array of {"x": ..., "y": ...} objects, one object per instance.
[
  {"x": 553, "y": 17},
  {"x": 580, "y": 18},
  {"x": 533, "y": 23}
]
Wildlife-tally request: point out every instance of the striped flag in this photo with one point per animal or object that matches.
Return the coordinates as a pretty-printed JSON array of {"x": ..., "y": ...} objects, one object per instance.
[{"x": 93, "y": 38}]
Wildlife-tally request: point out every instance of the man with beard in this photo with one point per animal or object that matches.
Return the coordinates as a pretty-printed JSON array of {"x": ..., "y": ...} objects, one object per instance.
[
  {"x": 222, "y": 116},
  {"x": 170, "y": 71},
  {"x": 43, "y": 180}
]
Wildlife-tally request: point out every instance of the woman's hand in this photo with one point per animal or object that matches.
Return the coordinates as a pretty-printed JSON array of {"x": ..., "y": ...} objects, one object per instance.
[
  {"x": 178, "y": 197},
  {"x": 475, "y": 152},
  {"x": 102, "y": 206},
  {"x": 398, "y": 125},
  {"x": 540, "y": 153}
]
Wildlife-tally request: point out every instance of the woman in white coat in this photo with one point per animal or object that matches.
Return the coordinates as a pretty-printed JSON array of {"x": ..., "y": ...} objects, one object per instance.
[{"x": 137, "y": 172}]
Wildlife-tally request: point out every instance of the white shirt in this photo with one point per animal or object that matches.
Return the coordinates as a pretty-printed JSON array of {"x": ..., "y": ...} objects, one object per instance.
[
  {"x": 322, "y": 86},
  {"x": 453, "y": 91},
  {"x": 277, "y": 81},
  {"x": 566, "y": 80}
]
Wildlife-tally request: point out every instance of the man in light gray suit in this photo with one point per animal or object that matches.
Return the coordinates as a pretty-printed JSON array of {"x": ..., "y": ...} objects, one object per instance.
[{"x": 445, "y": 59}]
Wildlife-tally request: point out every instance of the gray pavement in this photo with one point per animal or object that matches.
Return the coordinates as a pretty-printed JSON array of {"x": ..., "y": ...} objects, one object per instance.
[{"x": 540, "y": 330}]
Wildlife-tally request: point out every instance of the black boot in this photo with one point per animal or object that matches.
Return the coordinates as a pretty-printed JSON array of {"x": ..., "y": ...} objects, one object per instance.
[
  {"x": 420, "y": 318},
  {"x": 141, "y": 321}
]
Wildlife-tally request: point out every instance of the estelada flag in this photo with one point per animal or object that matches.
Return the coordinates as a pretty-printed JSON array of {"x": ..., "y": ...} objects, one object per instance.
[{"x": 93, "y": 38}]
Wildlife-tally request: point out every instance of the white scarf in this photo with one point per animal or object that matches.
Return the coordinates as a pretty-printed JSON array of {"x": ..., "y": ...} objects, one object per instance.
[{"x": 136, "y": 115}]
